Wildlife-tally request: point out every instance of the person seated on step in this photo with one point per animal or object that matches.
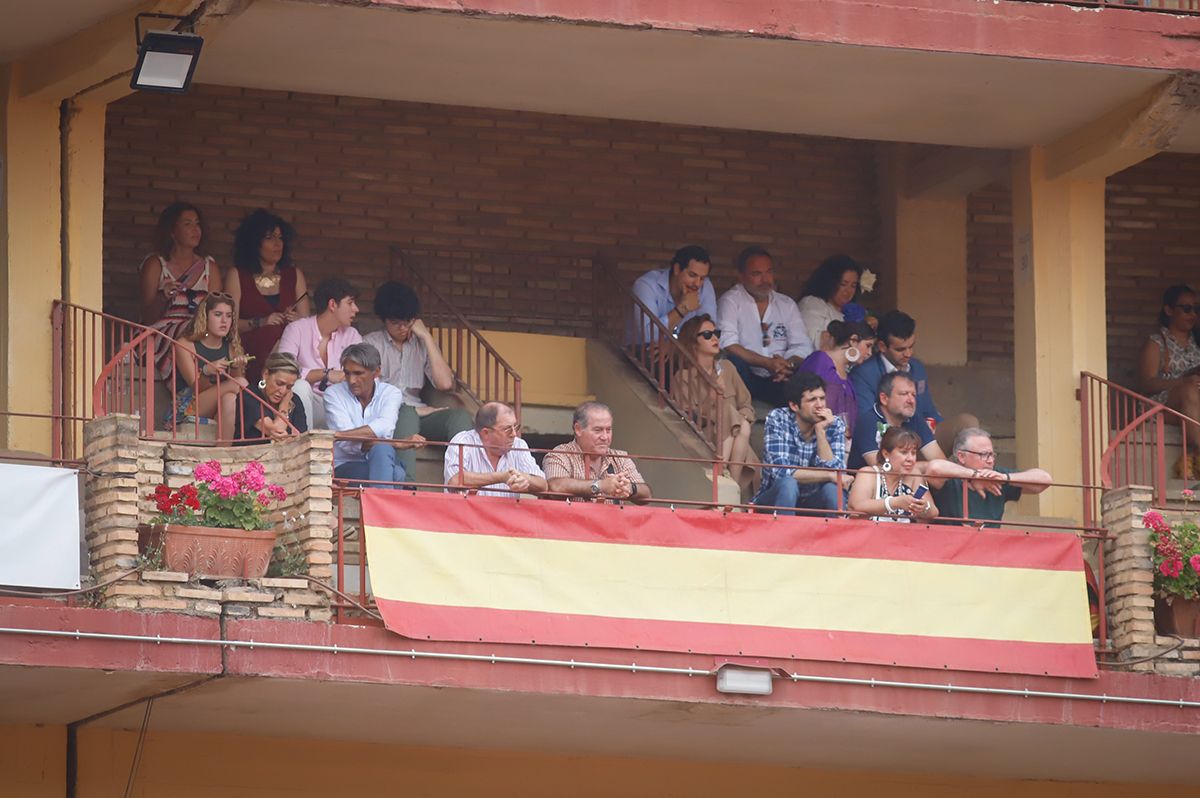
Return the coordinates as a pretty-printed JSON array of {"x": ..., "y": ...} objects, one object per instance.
[
  {"x": 803, "y": 445},
  {"x": 894, "y": 347},
  {"x": 700, "y": 338},
  {"x": 988, "y": 487},
  {"x": 895, "y": 406},
  {"x": 763, "y": 334},
  {"x": 844, "y": 347},
  {"x": 832, "y": 285},
  {"x": 207, "y": 389},
  {"x": 270, "y": 411},
  {"x": 317, "y": 342},
  {"x": 893, "y": 489},
  {"x": 677, "y": 292},
  {"x": 588, "y": 466},
  {"x": 491, "y": 459},
  {"x": 365, "y": 407},
  {"x": 1169, "y": 367},
  {"x": 411, "y": 358}
]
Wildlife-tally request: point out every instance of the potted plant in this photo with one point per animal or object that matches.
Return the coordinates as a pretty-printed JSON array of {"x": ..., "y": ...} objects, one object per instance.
[
  {"x": 1176, "y": 573},
  {"x": 215, "y": 526}
]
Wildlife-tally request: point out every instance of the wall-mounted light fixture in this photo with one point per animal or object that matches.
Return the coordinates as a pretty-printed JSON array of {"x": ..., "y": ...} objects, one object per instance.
[
  {"x": 166, "y": 58},
  {"x": 744, "y": 681}
]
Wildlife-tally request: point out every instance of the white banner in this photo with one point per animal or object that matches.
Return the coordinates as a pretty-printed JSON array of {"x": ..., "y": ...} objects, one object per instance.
[{"x": 39, "y": 526}]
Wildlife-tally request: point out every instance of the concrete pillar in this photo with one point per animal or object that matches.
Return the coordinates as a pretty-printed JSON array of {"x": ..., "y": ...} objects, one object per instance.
[{"x": 1059, "y": 318}]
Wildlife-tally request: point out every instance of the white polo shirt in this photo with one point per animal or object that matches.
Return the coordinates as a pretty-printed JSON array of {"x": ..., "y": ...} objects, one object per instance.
[
  {"x": 782, "y": 326},
  {"x": 474, "y": 458}
]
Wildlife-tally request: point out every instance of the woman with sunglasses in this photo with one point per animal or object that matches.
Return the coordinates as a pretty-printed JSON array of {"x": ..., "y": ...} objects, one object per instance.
[
  {"x": 270, "y": 411},
  {"x": 209, "y": 362},
  {"x": 175, "y": 278},
  {"x": 269, "y": 290},
  {"x": 847, "y": 343},
  {"x": 700, "y": 338},
  {"x": 1169, "y": 368}
]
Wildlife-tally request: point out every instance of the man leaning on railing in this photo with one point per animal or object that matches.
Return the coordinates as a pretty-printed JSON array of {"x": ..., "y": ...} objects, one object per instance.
[
  {"x": 988, "y": 487},
  {"x": 492, "y": 458},
  {"x": 588, "y": 467}
]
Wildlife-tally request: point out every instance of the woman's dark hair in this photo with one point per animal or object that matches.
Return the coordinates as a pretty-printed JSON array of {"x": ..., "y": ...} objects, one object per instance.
[
  {"x": 824, "y": 281},
  {"x": 843, "y": 331},
  {"x": 249, "y": 237},
  {"x": 397, "y": 301},
  {"x": 690, "y": 329},
  {"x": 163, "y": 242},
  {"x": 1171, "y": 297},
  {"x": 899, "y": 438}
]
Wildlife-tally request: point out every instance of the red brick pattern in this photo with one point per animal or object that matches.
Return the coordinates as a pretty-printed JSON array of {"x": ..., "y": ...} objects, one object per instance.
[{"x": 511, "y": 208}]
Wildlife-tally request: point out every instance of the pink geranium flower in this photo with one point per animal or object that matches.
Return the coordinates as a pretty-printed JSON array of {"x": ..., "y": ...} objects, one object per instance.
[
  {"x": 207, "y": 472},
  {"x": 1188, "y": 494},
  {"x": 1155, "y": 521},
  {"x": 1171, "y": 568},
  {"x": 277, "y": 492},
  {"x": 225, "y": 487},
  {"x": 1195, "y": 562}
]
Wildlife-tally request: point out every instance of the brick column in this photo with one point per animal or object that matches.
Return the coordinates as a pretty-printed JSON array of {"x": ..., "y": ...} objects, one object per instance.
[
  {"x": 122, "y": 466},
  {"x": 1129, "y": 574}
]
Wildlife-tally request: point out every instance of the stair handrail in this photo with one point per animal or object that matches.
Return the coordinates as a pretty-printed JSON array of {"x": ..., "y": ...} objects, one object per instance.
[
  {"x": 1109, "y": 430},
  {"x": 652, "y": 349},
  {"x": 470, "y": 358}
]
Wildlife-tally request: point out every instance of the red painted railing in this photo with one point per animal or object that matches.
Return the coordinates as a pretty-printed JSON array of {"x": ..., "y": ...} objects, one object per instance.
[
  {"x": 1164, "y": 6},
  {"x": 1124, "y": 440},
  {"x": 480, "y": 371}
]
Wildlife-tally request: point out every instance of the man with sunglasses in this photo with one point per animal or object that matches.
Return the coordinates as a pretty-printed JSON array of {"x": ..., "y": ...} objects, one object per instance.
[
  {"x": 491, "y": 459},
  {"x": 988, "y": 487},
  {"x": 762, "y": 332}
]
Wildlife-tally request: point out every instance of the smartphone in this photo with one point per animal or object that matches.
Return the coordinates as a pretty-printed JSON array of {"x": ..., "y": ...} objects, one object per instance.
[{"x": 920, "y": 492}]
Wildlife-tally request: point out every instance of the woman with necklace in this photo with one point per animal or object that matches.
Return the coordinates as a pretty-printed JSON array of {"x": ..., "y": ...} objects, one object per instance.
[
  {"x": 700, "y": 338},
  {"x": 209, "y": 361},
  {"x": 269, "y": 290},
  {"x": 848, "y": 343},
  {"x": 889, "y": 491},
  {"x": 175, "y": 278},
  {"x": 1169, "y": 368}
]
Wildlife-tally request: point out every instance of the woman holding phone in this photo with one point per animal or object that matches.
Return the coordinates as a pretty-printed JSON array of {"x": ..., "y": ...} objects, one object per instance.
[
  {"x": 269, "y": 289},
  {"x": 891, "y": 491}
]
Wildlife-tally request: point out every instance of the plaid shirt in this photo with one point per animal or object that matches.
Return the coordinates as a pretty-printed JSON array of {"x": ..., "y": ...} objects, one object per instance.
[{"x": 783, "y": 446}]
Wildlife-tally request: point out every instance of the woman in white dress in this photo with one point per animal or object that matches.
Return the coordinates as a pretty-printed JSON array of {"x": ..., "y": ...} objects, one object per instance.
[
  {"x": 889, "y": 491},
  {"x": 833, "y": 284}
]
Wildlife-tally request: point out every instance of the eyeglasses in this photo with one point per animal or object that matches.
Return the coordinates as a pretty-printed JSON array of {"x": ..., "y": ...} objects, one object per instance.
[
  {"x": 984, "y": 455},
  {"x": 1187, "y": 308},
  {"x": 708, "y": 335},
  {"x": 512, "y": 429}
]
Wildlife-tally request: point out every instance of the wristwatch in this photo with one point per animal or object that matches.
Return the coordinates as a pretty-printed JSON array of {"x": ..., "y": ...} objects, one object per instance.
[
  {"x": 595, "y": 487},
  {"x": 324, "y": 383}
]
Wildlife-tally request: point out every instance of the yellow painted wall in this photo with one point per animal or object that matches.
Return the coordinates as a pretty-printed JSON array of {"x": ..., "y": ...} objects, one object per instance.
[
  {"x": 184, "y": 765},
  {"x": 553, "y": 368}
]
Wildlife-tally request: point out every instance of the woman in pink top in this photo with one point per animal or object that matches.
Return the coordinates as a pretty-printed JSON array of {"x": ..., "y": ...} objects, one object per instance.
[{"x": 175, "y": 278}]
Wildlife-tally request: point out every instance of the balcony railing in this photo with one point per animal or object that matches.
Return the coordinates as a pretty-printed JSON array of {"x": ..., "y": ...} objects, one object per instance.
[{"x": 1165, "y": 6}]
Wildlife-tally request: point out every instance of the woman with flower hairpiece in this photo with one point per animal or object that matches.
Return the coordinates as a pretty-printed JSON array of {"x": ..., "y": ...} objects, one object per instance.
[
  {"x": 175, "y": 277},
  {"x": 270, "y": 291},
  {"x": 830, "y": 288},
  {"x": 209, "y": 362}
]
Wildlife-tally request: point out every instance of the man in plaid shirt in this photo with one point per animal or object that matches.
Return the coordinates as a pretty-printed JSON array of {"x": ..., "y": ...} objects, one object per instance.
[{"x": 806, "y": 438}]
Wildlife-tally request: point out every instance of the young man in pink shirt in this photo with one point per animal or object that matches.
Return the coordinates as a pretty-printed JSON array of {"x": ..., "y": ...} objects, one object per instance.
[{"x": 317, "y": 343}]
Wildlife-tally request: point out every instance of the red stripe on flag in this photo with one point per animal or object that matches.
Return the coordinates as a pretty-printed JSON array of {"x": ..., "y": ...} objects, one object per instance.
[
  {"x": 709, "y": 529},
  {"x": 474, "y": 624}
]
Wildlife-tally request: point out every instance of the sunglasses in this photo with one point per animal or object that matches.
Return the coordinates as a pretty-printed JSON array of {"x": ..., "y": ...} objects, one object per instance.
[
  {"x": 708, "y": 335},
  {"x": 1187, "y": 308}
]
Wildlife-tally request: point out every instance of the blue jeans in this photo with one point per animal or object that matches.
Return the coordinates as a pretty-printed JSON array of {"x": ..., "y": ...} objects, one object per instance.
[
  {"x": 381, "y": 465},
  {"x": 787, "y": 492},
  {"x": 763, "y": 389}
]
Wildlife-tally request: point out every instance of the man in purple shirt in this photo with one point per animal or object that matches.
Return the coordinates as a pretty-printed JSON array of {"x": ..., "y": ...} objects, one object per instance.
[{"x": 317, "y": 343}]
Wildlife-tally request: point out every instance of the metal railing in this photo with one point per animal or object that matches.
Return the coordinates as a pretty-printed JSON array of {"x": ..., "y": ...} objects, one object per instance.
[
  {"x": 1164, "y": 6},
  {"x": 480, "y": 371},
  {"x": 632, "y": 328},
  {"x": 1124, "y": 440}
]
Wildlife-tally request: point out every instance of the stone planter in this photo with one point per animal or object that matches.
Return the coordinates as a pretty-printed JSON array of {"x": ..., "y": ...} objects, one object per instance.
[
  {"x": 210, "y": 551},
  {"x": 1180, "y": 617}
]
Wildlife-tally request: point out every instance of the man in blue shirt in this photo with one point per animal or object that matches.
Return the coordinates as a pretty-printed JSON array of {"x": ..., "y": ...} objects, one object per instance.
[
  {"x": 803, "y": 440},
  {"x": 676, "y": 293},
  {"x": 896, "y": 407},
  {"x": 896, "y": 342}
]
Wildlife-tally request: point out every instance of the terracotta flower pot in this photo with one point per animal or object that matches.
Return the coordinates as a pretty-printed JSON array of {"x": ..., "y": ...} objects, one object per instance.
[
  {"x": 1180, "y": 617},
  {"x": 210, "y": 551}
]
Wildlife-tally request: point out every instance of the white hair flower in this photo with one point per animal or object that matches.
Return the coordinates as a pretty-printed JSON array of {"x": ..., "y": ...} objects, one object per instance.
[{"x": 867, "y": 281}]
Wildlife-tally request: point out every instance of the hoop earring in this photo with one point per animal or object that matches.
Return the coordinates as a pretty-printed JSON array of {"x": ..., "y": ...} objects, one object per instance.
[
  {"x": 262, "y": 383},
  {"x": 887, "y": 466}
]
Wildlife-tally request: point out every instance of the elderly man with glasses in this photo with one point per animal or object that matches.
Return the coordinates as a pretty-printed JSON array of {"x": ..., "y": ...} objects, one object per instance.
[
  {"x": 988, "y": 487},
  {"x": 491, "y": 459}
]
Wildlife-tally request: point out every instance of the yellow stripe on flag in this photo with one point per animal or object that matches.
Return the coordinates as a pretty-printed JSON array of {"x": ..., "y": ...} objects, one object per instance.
[{"x": 729, "y": 587}]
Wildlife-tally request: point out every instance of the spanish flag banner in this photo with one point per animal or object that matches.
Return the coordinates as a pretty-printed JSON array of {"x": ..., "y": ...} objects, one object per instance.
[{"x": 445, "y": 567}]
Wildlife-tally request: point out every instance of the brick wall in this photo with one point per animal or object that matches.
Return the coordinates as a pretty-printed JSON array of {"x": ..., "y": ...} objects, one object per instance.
[
  {"x": 482, "y": 196},
  {"x": 1152, "y": 241}
]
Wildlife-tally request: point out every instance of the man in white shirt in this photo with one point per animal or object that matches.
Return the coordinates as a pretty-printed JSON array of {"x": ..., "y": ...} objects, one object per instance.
[
  {"x": 492, "y": 458},
  {"x": 762, "y": 332},
  {"x": 365, "y": 407}
]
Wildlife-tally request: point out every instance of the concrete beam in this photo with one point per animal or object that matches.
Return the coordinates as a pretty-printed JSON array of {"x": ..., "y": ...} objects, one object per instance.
[
  {"x": 956, "y": 172},
  {"x": 1127, "y": 135}
]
